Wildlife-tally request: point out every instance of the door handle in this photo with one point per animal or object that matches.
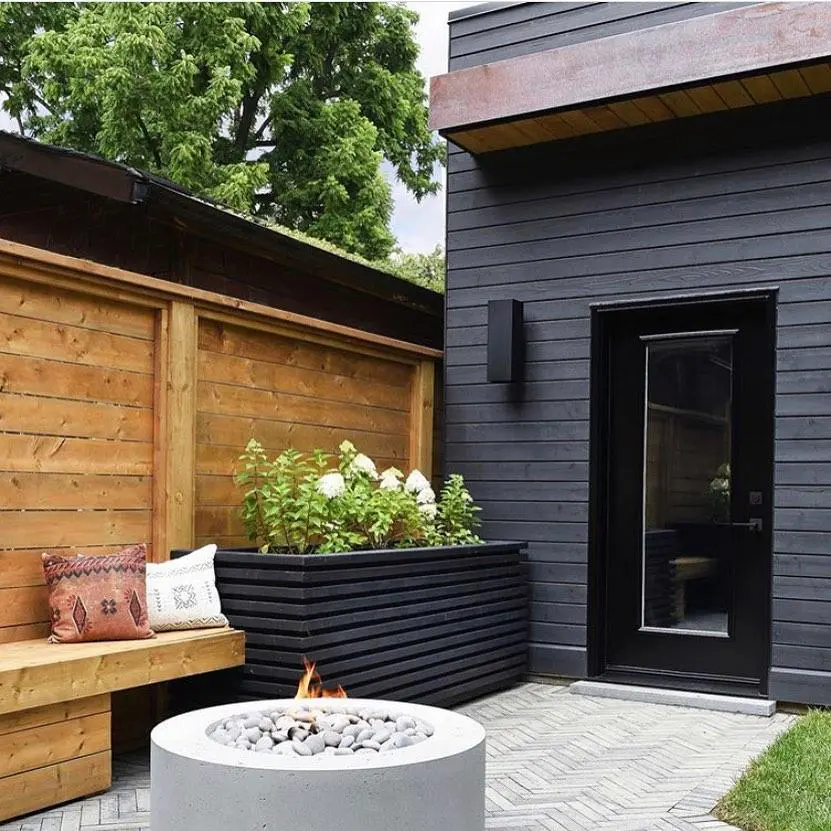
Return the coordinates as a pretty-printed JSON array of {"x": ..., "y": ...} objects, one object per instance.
[{"x": 754, "y": 524}]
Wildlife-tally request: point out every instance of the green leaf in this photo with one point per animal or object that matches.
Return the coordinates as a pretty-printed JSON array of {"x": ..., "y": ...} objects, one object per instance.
[{"x": 284, "y": 111}]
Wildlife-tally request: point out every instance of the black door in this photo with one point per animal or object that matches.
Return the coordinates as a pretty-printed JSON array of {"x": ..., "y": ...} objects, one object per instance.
[{"x": 689, "y": 454}]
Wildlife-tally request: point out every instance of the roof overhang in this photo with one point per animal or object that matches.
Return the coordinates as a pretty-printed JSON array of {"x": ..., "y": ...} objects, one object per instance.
[
  {"x": 122, "y": 183},
  {"x": 742, "y": 57}
]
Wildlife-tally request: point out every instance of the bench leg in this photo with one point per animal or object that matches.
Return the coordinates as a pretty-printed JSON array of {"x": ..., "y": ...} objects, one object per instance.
[{"x": 54, "y": 754}]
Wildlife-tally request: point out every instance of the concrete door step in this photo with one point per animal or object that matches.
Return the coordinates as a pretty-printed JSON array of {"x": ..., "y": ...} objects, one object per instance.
[{"x": 679, "y": 698}]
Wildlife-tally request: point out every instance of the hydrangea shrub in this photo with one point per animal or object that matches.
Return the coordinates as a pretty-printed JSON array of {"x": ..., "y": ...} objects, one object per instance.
[{"x": 301, "y": 504}]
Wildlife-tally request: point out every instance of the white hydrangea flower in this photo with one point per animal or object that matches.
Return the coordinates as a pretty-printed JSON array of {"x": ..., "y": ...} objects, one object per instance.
[
  {"x": 363, "y": 464},
  {"x": 416, "y": 482},
  {"x": 346, "y": 446},
  {"x": 429, "y": 509},
  {"x": 331, "y": 485},
  {"x": 426, "y": 496},
  {"x": 391, "y": 479}
]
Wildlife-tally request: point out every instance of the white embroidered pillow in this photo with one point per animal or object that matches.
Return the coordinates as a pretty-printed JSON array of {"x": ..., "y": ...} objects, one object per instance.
[{"x": 181, "y": 594}]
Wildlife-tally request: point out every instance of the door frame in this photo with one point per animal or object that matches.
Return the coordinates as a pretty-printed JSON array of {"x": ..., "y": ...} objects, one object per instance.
[{"x": 602, "y": 314}]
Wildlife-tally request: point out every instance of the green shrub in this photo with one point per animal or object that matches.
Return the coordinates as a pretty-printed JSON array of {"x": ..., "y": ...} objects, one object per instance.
[{"x": 301, "y": 504}]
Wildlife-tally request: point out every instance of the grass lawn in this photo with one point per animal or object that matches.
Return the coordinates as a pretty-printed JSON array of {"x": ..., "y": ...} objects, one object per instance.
[{"x": 788, "y": 788}]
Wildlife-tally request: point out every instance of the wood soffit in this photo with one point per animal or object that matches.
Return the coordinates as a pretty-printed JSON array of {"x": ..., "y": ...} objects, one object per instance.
[{"x": 739, "y": 58}]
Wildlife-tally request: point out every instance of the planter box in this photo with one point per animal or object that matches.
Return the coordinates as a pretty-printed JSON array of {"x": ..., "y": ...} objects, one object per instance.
[{"x": 430, "y": 625}]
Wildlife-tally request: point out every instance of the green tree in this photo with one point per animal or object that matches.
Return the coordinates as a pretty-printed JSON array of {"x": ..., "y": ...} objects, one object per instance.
[
  {"x": 425, "y": 269},
  {"x": 282, "y": 110}
]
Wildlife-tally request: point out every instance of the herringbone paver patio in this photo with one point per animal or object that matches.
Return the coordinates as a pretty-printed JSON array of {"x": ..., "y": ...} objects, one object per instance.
[{"x": 556, "y": 762}]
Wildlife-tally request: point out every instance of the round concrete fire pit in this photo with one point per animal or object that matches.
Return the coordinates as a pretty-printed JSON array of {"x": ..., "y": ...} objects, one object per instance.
[{"x": 198, "y": 784}]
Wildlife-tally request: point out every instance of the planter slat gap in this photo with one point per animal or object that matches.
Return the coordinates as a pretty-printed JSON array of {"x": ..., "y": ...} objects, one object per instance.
[
  {"x": 355, "y": 672},
  {"x": 375, "y": 642},
  {"x": 301, "y": 609},
  {"x": 360, "y": 657},
  {"x": 317, "y": 593}
]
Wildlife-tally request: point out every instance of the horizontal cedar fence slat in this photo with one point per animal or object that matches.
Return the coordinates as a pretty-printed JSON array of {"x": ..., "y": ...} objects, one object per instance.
[
  {"x": 54, "y": 379},
  {"x": 45, "y": 339},
  {"x": 247, "y": 343},
  {"x": 28, "y": 491},
  {"x": 27, "y": 632},
  {"x": 125, "y": 402},
  {"x": 55, "y": 454},
  {"x": 234, "y": 431},
  {"x": 63, "y": 528},
  {"x": 223, "y": 542},
  {"x": 22, "y": 566},
  {"x": 77, "y": 419},
  {"x": 222, "y": 461},
  {"x": 23, "y": 605},
  {"x": 43, "y": 302},
  {"x": 220, "y": 521},
  {"x": 225, "y": 399},
  {"x": 314, "y": 383}
]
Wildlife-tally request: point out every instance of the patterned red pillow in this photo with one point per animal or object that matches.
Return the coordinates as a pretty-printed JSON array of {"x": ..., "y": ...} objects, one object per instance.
[{"x": 98, "y": 598}]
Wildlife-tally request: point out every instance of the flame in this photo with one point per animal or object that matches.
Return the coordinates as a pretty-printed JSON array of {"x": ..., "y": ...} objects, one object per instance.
[{"x": 310, "y": 685}]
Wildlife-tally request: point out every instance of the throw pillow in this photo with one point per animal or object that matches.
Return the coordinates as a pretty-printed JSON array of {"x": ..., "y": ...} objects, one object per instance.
[
  {"x": 181, "y": 594},
  {"x": 98, "y": 598}
]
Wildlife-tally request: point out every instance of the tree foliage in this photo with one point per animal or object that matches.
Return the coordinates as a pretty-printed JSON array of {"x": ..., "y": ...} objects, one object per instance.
[
  {"x": 425, "y": 269},
  {"x": 281, "y": 110}
]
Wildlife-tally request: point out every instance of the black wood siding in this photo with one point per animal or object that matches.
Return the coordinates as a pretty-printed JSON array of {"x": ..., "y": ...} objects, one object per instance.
[
  {"x": 715, "y": 203},
  {"x": 524, "y": 28}
]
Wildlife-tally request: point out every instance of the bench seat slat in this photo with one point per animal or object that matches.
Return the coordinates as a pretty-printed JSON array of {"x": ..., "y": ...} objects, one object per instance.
[{"x": 36, "y": 673}]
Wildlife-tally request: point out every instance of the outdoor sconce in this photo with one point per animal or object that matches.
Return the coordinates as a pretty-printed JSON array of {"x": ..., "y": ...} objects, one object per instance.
[{"x": 505, "y": 341}]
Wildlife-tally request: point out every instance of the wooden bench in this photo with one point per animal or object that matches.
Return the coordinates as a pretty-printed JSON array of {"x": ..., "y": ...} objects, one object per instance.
[{"x": 55, "y": 707}]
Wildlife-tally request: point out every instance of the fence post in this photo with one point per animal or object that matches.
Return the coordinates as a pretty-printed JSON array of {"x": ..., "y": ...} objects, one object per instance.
[
  {"x": 421, "y": 417},
  {"x": 180, "y": 449}
]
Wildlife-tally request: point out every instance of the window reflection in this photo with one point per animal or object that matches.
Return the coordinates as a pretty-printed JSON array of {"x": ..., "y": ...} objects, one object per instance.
[{"x": 687, "y": 443}]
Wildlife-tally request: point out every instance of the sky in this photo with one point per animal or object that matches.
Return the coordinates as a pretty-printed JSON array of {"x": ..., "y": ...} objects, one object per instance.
[{"x": 418, "y": 227}]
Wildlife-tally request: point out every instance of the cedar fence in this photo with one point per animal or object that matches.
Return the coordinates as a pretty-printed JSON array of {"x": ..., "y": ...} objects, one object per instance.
[{"x": 125, "y": 401}]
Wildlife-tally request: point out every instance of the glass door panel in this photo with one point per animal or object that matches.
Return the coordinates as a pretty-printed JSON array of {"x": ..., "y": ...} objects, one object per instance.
[{"x": 686, "y": 584}]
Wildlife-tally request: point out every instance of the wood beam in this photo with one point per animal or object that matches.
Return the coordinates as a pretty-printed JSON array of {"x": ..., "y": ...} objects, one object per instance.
[
  {"x": 727, "y": 44},
  {"x": 179, "y": 416},
  {"x": 421, "y": 417}
]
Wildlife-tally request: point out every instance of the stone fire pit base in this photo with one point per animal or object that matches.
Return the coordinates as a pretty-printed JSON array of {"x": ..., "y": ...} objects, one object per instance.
[{"x": 200, "y": 785}]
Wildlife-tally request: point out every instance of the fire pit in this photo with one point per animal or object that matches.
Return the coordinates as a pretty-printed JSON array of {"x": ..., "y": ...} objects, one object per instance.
[{"x": 326, "y": 763}]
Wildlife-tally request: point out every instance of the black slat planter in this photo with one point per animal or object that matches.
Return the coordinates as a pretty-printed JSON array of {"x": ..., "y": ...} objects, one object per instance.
[{"x": 430, "y": 625}]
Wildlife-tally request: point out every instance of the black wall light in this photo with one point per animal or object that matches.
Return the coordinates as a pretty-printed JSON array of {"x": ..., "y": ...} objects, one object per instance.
[{"x": 505, "y": 341}]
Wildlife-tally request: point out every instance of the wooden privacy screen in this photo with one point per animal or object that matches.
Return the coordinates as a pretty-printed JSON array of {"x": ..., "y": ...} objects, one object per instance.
[
  {"x": 286, "y": 393},
  {"x": 125, "y": 402}
]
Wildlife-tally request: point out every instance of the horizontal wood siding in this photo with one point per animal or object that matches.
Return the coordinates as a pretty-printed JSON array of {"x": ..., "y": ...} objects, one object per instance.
[
  {"x": 655, "y": 211},
  {"x": 524, "y": 28}
]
